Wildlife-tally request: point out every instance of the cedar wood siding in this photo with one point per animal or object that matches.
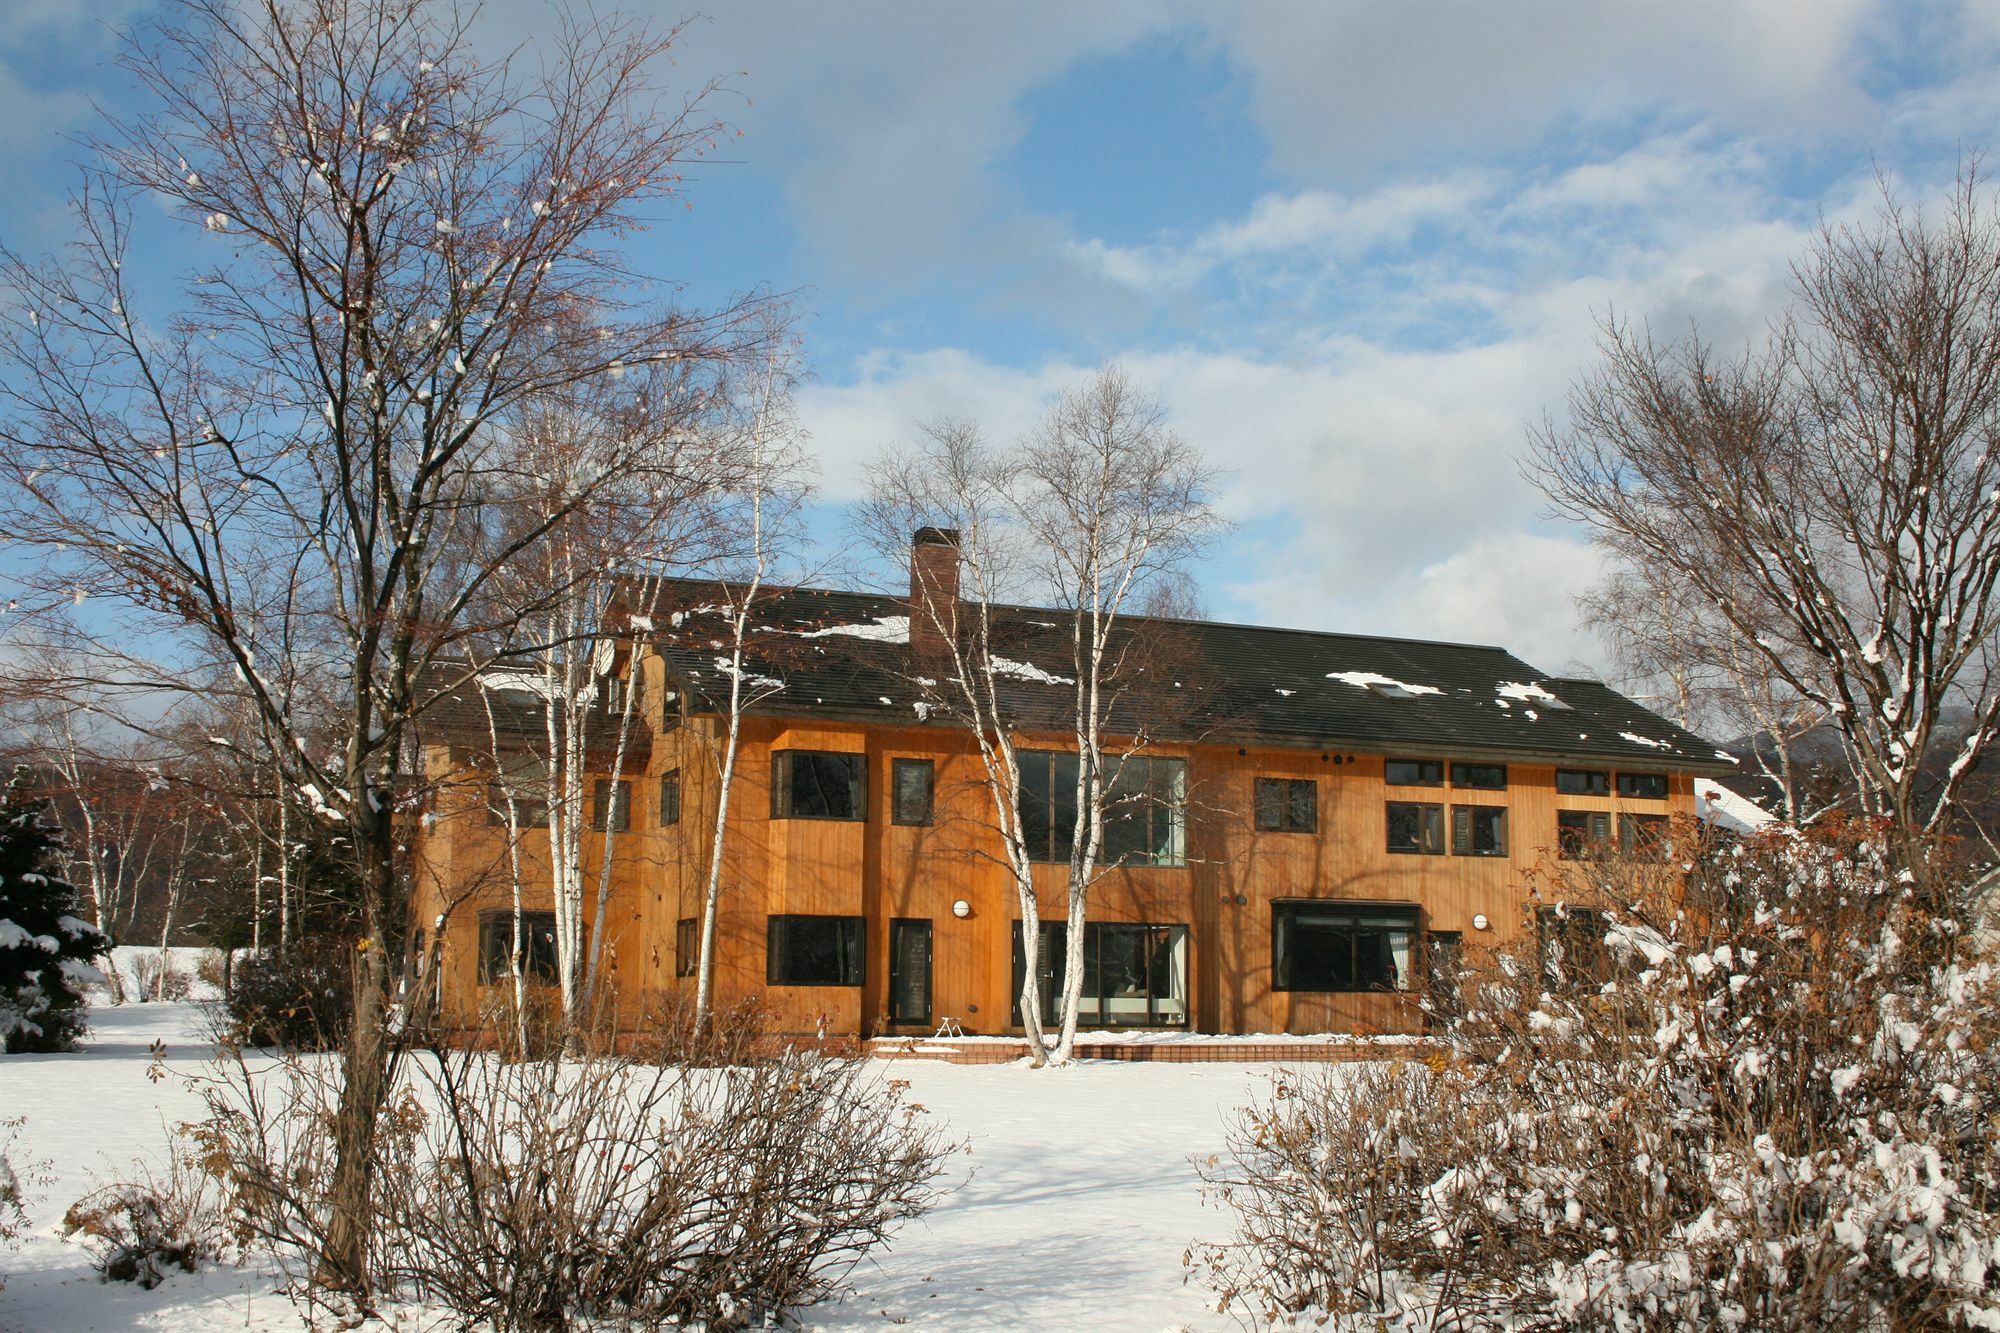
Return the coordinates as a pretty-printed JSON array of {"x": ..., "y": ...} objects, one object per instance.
[{"x": 880, "y": 871}]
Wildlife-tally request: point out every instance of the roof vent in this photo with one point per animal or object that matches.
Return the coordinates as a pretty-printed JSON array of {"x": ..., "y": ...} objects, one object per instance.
[{"x": 1389, "y": 689}]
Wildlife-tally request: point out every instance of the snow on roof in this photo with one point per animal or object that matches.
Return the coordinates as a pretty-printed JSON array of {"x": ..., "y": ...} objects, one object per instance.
[
  {"x": 1529, "y": 692},
  {"x": 885, "y": 629},
  {"x": 1384, "y": 685},
  {"x": 1007, "y": 666},
  {"x": 1646, "y": 741},
  {"x": 1716, "y": 804},
  {"x": 519, "y": 682}
]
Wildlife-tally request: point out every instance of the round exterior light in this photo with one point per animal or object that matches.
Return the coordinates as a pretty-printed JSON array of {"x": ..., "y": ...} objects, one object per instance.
[
  {"x": 1480, "y": 922},
  {"x": 961, "y": 908}
]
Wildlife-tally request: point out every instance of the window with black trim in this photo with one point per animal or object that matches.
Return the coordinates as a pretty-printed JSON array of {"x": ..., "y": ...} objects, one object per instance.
[
  {"x": 1478, "y": 830},
  {"x": 1582, "y": 835},
  {"x": 1572, "y": 947},
  {"x": 618, "y": 808},
  {"x": 496, "y": 947},
  {"x": 531, "y": 808},
  {"x": 670, "y": 797},
  {"x": 1134, "y": 974},
  {"x": 1287, "y": 805},
  {"x": 687, "y": 946},
  {"x": 1413, "y": 772},
  {"x": 1144, "y": 808},
  {"x": 1583, "y": 782},
  {"x": 912, "y": 782},
  {"x": 1481, "y": 777},
  {"x": 818, "y": 784},
  {"x": 1341, "y": 946},
  {"x": 1643, "y": 786},
  {"x": 814, "y": 951},
  {"x": 1642, "y": 837},
  {"x": 1416, "y": 829}
]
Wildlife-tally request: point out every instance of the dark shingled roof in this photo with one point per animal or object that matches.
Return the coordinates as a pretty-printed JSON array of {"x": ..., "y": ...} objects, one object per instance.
[{"x": 846, "y": 656}]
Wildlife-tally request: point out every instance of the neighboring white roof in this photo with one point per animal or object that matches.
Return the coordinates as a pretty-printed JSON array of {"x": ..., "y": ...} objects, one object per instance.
[{"x": 1716, "y": 804}]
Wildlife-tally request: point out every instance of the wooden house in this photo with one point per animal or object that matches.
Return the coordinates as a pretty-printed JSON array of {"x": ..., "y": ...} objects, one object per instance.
[{"x": 1316, "y": 821}]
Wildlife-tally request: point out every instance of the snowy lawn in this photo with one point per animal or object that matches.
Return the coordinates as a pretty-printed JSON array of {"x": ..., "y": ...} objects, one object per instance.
[{"x": 1079, "y": 1202}]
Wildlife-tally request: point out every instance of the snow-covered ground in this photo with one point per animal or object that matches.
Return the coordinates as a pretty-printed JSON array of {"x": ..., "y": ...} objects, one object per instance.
[{"x": 1075, "y": 1201}]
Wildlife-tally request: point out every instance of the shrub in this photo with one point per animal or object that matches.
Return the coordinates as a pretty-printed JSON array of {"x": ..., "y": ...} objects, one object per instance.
[
  {"x": 1759, "y": 1091},
  {"x": 139, "y": 1231},
  {"x": 551, "y": 1193},
  {"x": 14, "y": 1188},
  {"x": 302, "y": 1000},
  {"x": 158, "y": 979}
]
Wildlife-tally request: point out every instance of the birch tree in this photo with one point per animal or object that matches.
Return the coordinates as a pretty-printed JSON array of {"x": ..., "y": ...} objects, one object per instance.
[
  {"x": 1835, "y": 494},
  {"x": 1100, "y": 503},
  {"x": 285, "y": 475}
]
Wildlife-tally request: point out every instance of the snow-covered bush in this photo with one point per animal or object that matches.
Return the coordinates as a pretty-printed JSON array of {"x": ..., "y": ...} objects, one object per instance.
[
  {"x": 553, "y": 1192},
  {"x": 1758, "y": 1088},
  {"x": 46, "y": 949},
  {"x": 139, "y": 1231},
  {"x": 302, "y": 999},
  {"x": 13, "y": 1189},
  {"x": 159, "y": 978}
]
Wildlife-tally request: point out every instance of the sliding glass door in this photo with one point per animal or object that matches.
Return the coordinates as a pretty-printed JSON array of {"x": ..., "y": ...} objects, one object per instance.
[{"x": 1134, "y": 975}]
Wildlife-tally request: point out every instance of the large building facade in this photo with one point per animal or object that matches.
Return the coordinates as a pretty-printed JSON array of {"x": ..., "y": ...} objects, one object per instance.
[{"x": 1309, "y": 826}]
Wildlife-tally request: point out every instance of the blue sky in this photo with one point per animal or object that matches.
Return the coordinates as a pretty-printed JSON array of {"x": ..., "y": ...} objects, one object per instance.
[{"x": 1355, "y": 248}]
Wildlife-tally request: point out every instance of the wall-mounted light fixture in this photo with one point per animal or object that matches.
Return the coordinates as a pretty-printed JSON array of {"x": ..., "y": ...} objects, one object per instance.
[
  {"x": 961, "y": 908},
  {"x": 1480, "y": 922}
]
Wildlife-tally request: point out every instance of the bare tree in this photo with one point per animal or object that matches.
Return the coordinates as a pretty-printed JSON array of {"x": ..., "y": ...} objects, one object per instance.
[
  {"x": 1099, "y": 503},
  {"x": 1834, "y": 495},
  {"x": 288, "y": 478}
]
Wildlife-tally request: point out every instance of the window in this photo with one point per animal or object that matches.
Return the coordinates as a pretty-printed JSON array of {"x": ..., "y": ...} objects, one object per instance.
[
  {"x": 496, "y": 946},
  {"x": 687, "y": 946},
  {"x": 1643, "y": 786},
  {"x": 913, "y": 780},
  {"x": 1413, "y": 772},
  {"x": 1571, "y": 941},
  {"x": 1416, "y": 829},
  {"x": 619, "y": 807},
  {"x": 1643, "y": 837},
  {"x": 1134, "y": 975},
  {"x": 531, "y": 806},
  {"x": 670, "y": 797},
  {"x": 815, "y": 784},
  {"x": 814, "y": 951},
  {"x": 1144, "y": 801},
  {"x": 1583, "y": 782},
  {"x": 1582, "y": 834},
  {"x": 1478, "y": 830},
  {"x": 1288, "y": 805},
  {"x": 1444, "y": 975},
  {"x": 1341, "y": 946},
  {"x": 1484, "y": 777}
]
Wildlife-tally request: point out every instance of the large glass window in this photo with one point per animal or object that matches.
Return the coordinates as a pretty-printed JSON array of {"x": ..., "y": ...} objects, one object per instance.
[
  {"x": 1341, "y": 946},
  {"x": 525, "y": 778},
  {"x": 814, "y": 951},
  {"x": 609, "y": 807},
  {"x": 1288, "y": 805},
  {"x": 1134, "y": 975},
  {"x": 670, "y": 797},
  {"x": 1144, "y": 808},
  {"x": 1485, "y": 777},
  {"x": 912, "y": 783},
  {"x": 496, "y": 946},
  {"x": 818, "y": 784},
  {"x": 1643, "y": 837},
  {"x": 1415, "y": 829},
  {"x": 1478, "y": 830}
]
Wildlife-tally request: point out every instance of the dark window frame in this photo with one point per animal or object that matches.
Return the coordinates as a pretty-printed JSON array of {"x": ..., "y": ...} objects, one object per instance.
[
  {"x": 897, "y": 813},
  {"x": 621, "y": 805},
  {"x": 1278, "y": 803},
  {"x": 1431, "y": 828},
  {"x": 1643, "y": 837},
  {"x": 670, "y": 798},
  {"x": 1360, "y": 917},
  {"x": 1163, "y": 942},
  {"x": 529, "y": 811},
  {"x": 784, "y": 779},
  {"x": 1590, "y": 841},
  {"x": 1047, "y": 804},
  {"x": 496, "y": 941},
  {"x": 1433, "y": 767},
  {"x": 1465, "y": 819},
  {"x": 1583, "y": 782},
  {"x": 1656, "y": 785},
  {"x": 1465, "y": 771},
  {"x": 687, "y": 946},
  {"x": 849, "y": 954}
]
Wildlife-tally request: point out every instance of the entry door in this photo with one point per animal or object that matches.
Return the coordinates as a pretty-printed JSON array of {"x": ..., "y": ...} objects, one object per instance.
[{"x": 910, "y": 973}]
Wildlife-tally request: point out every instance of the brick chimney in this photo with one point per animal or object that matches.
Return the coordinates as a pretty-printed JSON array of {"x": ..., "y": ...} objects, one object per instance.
[{"x": 933, "y": 584}]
